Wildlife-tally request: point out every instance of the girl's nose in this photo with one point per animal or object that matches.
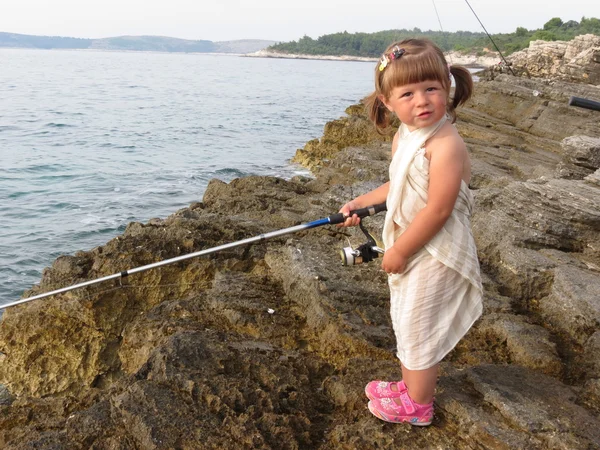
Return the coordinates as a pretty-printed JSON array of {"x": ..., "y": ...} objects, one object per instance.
[{"x": 421, "y": 98}]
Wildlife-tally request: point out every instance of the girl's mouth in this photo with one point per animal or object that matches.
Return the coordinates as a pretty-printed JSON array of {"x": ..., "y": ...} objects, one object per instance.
[{"x": 424, "y": 114}]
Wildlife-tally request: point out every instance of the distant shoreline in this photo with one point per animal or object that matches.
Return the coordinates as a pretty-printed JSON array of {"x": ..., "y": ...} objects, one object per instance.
[
  {"x": 471, "y": 61},
  {"x": 135, "y": 43},
  {"x": 164, "y": 52},
  {"x": 277, "y": 55}
]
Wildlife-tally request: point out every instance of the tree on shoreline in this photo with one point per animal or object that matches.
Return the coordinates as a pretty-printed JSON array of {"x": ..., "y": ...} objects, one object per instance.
[{"x": 371, "y": 44}]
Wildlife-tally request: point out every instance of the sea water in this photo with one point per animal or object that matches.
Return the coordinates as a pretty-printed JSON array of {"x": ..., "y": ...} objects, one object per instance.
[{"x": 91, "y": 140}]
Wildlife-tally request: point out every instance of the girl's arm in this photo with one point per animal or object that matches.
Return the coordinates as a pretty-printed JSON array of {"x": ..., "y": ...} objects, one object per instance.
[{"x": 447, "y": 160}]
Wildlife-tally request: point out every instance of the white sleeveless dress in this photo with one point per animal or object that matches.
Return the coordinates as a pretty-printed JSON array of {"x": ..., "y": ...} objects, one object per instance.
[{"x": 438, "y": 297}]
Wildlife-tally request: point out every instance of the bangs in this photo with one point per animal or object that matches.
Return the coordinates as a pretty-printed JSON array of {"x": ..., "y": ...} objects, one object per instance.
[{"x": 410, "y": 68}]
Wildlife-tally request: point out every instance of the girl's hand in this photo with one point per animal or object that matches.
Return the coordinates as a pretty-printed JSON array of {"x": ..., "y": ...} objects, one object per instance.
[
  {"x": 350, "y": 221},
  {"x": 393, "y": 261}
]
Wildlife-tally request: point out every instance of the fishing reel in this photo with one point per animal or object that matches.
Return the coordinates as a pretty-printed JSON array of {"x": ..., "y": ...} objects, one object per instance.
[{"x": 364, "y": 253}]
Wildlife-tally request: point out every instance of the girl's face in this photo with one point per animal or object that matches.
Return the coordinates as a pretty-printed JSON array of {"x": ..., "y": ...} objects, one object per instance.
[{"x": 418, "y": 105}]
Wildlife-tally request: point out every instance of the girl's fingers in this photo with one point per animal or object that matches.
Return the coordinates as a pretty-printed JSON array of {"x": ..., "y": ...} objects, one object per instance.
[{"x": 351, "y": 221}]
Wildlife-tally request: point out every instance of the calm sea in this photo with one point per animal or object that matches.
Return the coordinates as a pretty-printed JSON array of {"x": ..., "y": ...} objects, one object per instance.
[{"x": 90, "y": 141}]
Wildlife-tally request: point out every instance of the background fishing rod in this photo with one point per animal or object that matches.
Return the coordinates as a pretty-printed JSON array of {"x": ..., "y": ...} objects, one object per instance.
[
  {"x": 573, "y": 101},
  {"x": 584, "y": 103},
  {"x": 331, "y": 220},
  {"x": 491, "y": 39}
]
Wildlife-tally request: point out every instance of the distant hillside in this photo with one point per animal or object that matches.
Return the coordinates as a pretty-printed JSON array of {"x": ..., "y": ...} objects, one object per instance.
[
  {"x": 152, "y": 43},
  {"x": 133, "y": 43},
  {"x": 28, "y": 41},
  {"x": 242, "y": 46}
]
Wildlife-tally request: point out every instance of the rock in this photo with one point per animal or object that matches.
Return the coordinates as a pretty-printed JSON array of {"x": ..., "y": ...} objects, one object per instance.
[
  {"x": 594, "y": 178},
  {"x": 505, "y": 112},
  {"x": 590, "y": 359},
  {"x": 473, "y": 60},
  {"x": 521, "y": 343},
  {"x": 572, "y": 305},
  {"x": 270, "y": 345},
  {"x": 349, "y": 131},
  {"x": 537, "y": 405},
  {"x": 590, "y": 395},
  {"x": 581, "y": 157},
  {"x": 502, "y": 407},
  {"x": 5, "y": 397},
  {"x": 576, "y": 60}
]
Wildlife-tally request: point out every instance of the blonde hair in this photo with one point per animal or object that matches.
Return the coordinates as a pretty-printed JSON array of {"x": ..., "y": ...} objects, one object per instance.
[{"x": 422, "y": 60}]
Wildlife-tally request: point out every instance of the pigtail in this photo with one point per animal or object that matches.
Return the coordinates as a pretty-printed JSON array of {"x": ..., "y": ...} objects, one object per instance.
[
  {"x": 377, "y": 112},
  {"x": 463, "y": 88}
]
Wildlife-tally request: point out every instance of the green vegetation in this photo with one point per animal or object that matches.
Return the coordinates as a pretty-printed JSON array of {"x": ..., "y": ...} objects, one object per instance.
[{"x": 372, "y": 44}]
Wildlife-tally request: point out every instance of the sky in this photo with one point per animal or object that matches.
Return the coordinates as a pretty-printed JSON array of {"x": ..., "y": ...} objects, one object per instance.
[{"x": 277, "y": 20}]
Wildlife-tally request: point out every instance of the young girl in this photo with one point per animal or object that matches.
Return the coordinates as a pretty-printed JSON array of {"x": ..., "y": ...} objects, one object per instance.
[{"x": 430, "y": 257}]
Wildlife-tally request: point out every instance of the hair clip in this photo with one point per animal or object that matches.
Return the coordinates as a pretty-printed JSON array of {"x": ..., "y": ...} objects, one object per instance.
[
  {"x": 386, "y": 59},
  {"x": 384, "y": 62},
  {"x": 397, "y": 53}
]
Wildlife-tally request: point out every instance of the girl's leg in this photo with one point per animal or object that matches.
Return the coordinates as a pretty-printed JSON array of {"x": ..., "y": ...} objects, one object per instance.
[{"x": 421, "y": 383}]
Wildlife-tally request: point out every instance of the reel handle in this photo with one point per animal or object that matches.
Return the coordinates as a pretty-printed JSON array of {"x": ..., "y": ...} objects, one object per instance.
[
  {"x": 584, "y": 103},
  {"x": 362, "y": 212}
]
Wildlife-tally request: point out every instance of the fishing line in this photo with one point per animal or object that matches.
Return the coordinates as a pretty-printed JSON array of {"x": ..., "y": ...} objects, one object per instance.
[
  {"x": 488, "y": 34},
  {"x": 441, "y": 28}
]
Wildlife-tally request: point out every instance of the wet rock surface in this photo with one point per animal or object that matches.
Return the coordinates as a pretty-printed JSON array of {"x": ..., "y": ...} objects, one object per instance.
[{"x": 269, "y": 346}]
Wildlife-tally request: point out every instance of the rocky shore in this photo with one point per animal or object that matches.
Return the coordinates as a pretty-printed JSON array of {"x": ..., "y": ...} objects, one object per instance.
[
  {"x": 577, "y": 60},
  {"x": 469, "y": 60},
  {"x": 270, "y": 346},
  {"x": 270, "y": 54}
]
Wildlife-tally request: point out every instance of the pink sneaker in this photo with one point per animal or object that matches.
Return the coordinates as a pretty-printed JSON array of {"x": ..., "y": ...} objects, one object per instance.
[
  {"x": 387, "y": 409},
  {"x": 383, "y": 389}
]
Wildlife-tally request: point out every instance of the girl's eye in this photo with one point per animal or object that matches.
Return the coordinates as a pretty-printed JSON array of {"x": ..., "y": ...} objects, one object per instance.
[
  {"x": 433, "y": 88},
  {"x": 406, "y": 94}
]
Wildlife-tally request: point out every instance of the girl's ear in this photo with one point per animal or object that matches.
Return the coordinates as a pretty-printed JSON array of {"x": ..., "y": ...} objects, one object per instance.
[{"x": 381, "y": 98}]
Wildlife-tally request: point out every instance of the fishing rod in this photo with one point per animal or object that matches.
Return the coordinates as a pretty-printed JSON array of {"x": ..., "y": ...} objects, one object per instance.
[
  {"x": 584, "y": 103},
  {"x": 331, "y": 220},
  {"x": 491, "y": 39}
]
